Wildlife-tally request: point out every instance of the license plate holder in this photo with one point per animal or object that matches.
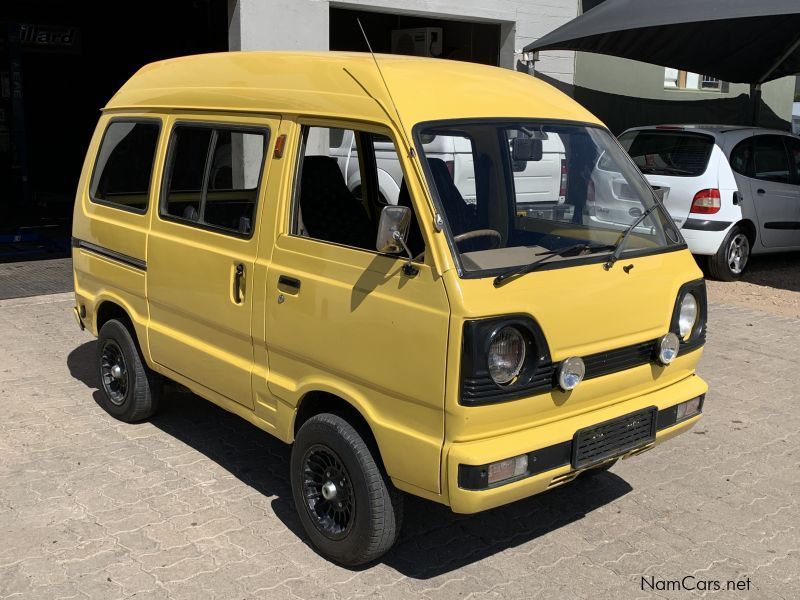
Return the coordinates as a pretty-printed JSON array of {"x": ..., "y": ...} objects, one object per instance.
[{"x": 598, "y": 443}]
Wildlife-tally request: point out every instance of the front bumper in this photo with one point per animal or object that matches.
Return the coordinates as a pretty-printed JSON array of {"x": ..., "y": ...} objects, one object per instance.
[{"x": 521, "y": 442}]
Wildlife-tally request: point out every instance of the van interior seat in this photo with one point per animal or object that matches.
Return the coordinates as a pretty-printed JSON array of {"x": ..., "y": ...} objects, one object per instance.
[
  {"x": 330, "y": 211},
  {"x": 455, "y": 208}
]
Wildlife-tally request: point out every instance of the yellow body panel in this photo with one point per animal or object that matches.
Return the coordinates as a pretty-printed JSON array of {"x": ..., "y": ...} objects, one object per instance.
[{"x": 358, "y": 328}]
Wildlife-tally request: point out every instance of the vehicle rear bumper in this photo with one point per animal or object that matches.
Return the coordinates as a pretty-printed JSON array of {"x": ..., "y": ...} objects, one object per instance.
[
  {"x": 481, "y": 452},
  {"x": 705, "y": 237}
]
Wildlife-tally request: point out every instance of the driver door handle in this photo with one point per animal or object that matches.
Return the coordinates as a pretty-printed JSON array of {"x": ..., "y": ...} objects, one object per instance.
[{"x": 760, "y": 191}]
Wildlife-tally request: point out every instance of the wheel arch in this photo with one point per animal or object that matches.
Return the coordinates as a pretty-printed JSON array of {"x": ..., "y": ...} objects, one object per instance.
[
  {"x": 317, "y": 402},
  {"x": 750, "y": 230}
]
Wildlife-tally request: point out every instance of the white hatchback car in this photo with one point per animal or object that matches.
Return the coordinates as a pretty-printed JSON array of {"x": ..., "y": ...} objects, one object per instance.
[{"x": 733, "y": 191}]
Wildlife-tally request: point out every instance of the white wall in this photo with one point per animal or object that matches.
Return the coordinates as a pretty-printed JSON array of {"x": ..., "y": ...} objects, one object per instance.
[{"x": 303, "y": 24}]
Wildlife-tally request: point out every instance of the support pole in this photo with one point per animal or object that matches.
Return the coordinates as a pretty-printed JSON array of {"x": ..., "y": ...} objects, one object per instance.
[{"x": 755, "y": 101}]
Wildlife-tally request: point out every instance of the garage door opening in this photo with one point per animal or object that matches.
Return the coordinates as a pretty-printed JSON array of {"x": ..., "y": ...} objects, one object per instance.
[{"x": 416, "y": 35}]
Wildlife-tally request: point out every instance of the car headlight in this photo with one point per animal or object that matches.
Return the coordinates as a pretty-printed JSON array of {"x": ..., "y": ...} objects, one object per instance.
[
  {"x": 506, "y": 355},
  {"x": 687, "y": 318}
]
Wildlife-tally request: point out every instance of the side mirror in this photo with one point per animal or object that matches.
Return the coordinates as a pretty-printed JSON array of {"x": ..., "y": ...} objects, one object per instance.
[
  {"x": 393, "y": 233},
  {"x": 525, "y": 149},
  {"x": 393, "y": 229}
]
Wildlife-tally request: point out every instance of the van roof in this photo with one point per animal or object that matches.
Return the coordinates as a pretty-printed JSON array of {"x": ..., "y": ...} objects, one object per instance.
[{"x": 343, "y": 84}]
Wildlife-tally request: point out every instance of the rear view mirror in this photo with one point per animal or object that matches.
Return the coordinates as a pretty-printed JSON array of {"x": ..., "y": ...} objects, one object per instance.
[
  {"x": 525, "y": 149},
  {"x": 393, "y": 229}
]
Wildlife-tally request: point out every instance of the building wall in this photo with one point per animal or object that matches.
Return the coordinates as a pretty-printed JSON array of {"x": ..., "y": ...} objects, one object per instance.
[
  {"x": 642, "y": 80},
  {"x": 303, "y": 24}
]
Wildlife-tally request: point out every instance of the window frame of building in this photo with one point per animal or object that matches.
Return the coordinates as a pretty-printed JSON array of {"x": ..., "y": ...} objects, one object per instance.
[
  {"x": 96, "y": 174},
  {"x": 169, "y": 162},
  {"x": 678, "y": 79}
]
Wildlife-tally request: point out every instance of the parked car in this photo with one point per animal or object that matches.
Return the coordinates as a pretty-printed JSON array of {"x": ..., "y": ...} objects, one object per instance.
[
  {"x": 451, "y": 345},
  {"x": 733, "y": 191}
]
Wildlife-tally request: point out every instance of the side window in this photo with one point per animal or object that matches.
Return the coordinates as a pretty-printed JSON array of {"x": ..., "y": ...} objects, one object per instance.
[
  {"x": 327, "y": 199},
  {"x": 742, "y": 158},
  {"x": 771, "y": 161},
  {"x": 124, "y": 165},
  {"x": 793, "y": 144},
  {"x": 213, "y": 175}
]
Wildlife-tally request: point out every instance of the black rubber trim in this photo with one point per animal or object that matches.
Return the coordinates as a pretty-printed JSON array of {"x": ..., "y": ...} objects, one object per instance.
[
  {"x": 790, "y": 225},
  {"x": 698, "y": 336},
  {"x": 706, "y": 225},
  {"x": 129, "y": 261}
]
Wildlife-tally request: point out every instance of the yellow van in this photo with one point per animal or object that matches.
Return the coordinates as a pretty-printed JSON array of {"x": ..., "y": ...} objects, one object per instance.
[{"x": 472, "y": 351}]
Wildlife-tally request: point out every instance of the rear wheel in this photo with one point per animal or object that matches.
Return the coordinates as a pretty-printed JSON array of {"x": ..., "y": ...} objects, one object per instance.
[
  {"x": 131, "y": 390},
  {"x": 346, "y": 503},
  {"x": 730, "y": 261}
]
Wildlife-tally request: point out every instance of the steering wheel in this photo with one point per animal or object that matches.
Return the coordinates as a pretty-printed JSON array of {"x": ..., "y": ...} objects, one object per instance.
[{"x": 479, "y": 233}]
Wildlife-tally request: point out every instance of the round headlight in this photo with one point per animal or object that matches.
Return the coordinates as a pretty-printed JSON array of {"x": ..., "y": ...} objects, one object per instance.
[
  {"x": 688, "y": 315},
  {"x": 506, "y": 355},
  {"x": 571, "y": 373},
  {"x": 668, "y": 348}
]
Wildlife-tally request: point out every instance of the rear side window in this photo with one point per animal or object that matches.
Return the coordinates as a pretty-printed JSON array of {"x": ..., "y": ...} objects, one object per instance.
[
  {"x": 213, "y": 175},
  {"x": 672, "y": 153},
  {"x": 742, "y": 157},
  {"x": 124, "y": 165},
  {"x": 771, "y": 160}
]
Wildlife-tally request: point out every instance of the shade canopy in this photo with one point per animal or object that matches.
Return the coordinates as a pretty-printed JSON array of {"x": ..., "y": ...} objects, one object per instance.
[{"x": 740, "y": 41}]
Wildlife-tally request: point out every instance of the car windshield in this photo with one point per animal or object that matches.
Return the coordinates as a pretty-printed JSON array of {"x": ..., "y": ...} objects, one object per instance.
[{"x": 512, "y": 192}]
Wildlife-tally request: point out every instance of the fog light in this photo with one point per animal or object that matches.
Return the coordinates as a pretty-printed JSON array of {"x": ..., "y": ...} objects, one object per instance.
[
  {"x": 688, "y": 409},
  {"x": 667, "y": 348},
  {"x": 507, "y": 469},
  {"x": 571, "y": 373}
]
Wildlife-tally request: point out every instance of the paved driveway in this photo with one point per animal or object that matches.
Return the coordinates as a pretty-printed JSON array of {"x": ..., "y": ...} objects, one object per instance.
[{"x": 196, "y": 504}]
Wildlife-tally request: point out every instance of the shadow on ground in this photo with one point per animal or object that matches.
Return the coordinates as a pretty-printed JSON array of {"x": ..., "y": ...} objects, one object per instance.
[
  {"x": 433, "y": 541},
  {"x": 779, "y": 271}
]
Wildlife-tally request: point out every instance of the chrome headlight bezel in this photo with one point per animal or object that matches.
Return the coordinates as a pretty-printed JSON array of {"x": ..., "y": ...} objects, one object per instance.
[{"x": 688, "y": 314}]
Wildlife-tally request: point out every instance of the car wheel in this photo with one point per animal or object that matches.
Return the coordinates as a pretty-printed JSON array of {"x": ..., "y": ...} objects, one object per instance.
[
  {"x": 730, "y": 261},
  {"x": 131, "y": 390},
  {"x": 348, "y": 507}
]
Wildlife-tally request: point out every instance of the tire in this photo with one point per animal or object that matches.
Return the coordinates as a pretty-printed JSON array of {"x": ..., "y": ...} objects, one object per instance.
[
  {"x": 732, "y": 258},
  {"x": 348, "y": 507},
  {"x": 131, "y": 393}
]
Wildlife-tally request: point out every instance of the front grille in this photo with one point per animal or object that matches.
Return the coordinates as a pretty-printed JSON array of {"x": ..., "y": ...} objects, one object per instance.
[
  {"x": 595, "y": 444},
  {"x": 619, "y": 359}
]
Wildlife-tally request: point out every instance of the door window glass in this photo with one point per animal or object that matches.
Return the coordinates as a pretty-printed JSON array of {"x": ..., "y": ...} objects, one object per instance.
[
  {"x": 793, "y": 145},
  {"x": 742, "y": 158},
  {"x": 213, "y": 177},
  {"x": 345, "y": 179},
  {"x": 771, "y": 161},
  {"x": 125, "y": 165}
]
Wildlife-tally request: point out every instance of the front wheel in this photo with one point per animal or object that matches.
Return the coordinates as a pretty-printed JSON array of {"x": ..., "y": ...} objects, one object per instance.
[
  {"x": 730, "y": 261},
  {"x": 348, "y": 507}
]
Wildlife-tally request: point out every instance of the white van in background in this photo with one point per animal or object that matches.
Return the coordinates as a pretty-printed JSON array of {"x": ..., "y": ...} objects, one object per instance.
[{"x": 537, "y": 183}]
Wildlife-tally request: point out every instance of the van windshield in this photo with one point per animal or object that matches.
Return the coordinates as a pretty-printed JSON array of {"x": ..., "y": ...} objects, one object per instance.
[{"x": 514, "y": 191}]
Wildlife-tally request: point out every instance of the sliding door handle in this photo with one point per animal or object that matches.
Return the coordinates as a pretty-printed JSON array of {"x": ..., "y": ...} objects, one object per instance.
[{"x": 237, "y": 283}]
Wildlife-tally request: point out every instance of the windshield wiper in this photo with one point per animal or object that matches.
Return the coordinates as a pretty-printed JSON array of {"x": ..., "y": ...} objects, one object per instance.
[
  {"x": 576, "y": 249},
  {"x": 620, "y": 245},
  {"x": 664, "y": 171}
]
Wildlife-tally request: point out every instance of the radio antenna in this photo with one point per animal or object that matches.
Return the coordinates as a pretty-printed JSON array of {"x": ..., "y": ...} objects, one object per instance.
[{"x": 411, "y": 152}]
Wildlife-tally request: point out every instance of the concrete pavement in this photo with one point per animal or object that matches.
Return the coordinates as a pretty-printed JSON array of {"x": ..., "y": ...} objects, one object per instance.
[{"x": 196, "y": 503}]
